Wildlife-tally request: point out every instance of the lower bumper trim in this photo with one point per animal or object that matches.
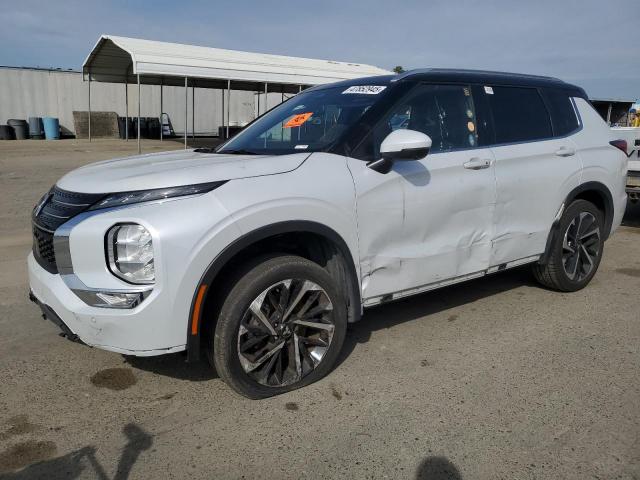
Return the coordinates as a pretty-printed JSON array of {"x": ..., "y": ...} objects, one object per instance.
[{"x": 49, "y": 314}]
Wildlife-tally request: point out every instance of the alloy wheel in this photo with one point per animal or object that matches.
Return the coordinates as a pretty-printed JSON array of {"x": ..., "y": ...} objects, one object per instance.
[
  {"x": 285, "y": 332},
  {"x": 581, "y": 246}
]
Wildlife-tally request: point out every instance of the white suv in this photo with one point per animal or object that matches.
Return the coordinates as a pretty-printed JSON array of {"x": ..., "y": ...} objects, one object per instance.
[{"x": 346, "y": 196}]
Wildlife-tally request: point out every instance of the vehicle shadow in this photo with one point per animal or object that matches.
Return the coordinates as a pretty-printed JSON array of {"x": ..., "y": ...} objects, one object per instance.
[
  {"x": 174, "y": 365},
  {"x": 418, "y": 306},
  {"x": 437, "y": 468},
  {"x": 632, "y": 215},
  {"x": 83, "y": 462},
  {"x": 385, "y": 316}
]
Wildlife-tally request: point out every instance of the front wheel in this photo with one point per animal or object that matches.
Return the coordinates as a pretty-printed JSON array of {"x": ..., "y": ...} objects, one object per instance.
[
  {"x": 281, "y": 327},
  {"x": 576, "y": 250}
]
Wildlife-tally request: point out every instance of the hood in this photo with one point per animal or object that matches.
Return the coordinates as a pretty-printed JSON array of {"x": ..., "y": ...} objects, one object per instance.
[{"x": 172, "y": 169}]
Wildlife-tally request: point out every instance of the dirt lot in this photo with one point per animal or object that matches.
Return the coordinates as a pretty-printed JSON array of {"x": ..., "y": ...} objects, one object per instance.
[{"x": 495, "y": 378}]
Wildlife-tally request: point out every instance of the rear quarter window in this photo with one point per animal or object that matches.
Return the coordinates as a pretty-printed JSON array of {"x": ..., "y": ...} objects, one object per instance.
[
  {"x": 519, "y": 114},
  {"x": 563, "y": 114}
]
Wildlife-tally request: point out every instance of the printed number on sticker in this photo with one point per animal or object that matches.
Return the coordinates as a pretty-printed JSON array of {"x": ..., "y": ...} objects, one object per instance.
[{"x": 365, "y": 89}]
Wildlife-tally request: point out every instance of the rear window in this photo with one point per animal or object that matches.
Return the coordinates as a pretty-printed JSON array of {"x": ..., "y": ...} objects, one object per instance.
[
  {"x": 519, "y": 114},
  {"x": 563, "y": 115}
]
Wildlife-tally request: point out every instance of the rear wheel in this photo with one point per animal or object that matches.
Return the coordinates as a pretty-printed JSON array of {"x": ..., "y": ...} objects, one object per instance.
[
  {"x": 576, "y": 250},
  {"x": 281, "y": 327}
]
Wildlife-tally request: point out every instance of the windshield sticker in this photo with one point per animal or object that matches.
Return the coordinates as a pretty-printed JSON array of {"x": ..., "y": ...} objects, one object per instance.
[
  {"x": 365, "y": 89},
  {"x": 488, "y": 90},
  {"x": 301, "y": 147},
  {"x": 298, "y": 120}
]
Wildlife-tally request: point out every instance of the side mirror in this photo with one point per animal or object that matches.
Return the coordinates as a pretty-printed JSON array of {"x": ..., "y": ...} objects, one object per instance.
[{"x": 401, "y": 145}]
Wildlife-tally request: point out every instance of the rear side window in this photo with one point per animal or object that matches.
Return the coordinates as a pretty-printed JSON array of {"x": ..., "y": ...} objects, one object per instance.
[
  {"x": 563, "y": 115},
  {"x": 519, "y": 114}
]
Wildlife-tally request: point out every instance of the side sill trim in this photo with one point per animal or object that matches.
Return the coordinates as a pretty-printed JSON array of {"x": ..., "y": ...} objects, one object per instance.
[{"x": 388, "y": 297}]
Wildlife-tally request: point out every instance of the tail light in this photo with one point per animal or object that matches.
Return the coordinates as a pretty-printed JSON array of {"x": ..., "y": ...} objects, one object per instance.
[{"x": 619, "y": 144}]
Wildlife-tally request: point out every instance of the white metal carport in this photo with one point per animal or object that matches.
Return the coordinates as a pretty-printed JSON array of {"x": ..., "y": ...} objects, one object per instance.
[{"x": 130, "y": 60}]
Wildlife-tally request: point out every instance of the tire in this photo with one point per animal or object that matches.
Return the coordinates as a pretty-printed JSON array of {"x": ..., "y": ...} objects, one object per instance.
[
  {"x": 259, "y": 360},
  {"x": 564, "y": 271}
]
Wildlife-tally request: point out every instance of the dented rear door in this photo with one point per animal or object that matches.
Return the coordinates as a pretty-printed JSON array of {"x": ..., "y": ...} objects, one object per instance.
[{"x": 534, "y": 171}]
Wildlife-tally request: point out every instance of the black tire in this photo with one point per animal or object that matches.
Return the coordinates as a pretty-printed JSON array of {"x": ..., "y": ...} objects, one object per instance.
[
  {"x": 251, "y": 282},
  {"x": 554, "y": 274},
  {"x": 6, "y": 132}
]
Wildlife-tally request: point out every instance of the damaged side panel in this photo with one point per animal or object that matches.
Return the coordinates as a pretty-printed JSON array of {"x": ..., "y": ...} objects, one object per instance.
[{"x": 532, "y": 183}]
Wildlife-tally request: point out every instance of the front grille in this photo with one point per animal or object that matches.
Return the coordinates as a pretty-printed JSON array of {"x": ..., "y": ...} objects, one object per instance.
[
  {"x": 58, "y": 207},
  {"x": 633, "y": 173},
  {"x": 43, "y": 249}
]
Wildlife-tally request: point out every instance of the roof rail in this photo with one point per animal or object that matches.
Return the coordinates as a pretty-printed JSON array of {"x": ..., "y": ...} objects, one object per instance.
[{"x": 420, "y": 71}]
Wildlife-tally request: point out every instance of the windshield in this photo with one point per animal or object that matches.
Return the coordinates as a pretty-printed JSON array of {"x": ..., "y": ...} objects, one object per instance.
[{"x": 308, "y": 122}]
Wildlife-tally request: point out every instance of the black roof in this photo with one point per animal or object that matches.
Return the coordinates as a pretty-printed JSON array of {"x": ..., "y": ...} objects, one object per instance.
[{"x": 465, "y": 76}]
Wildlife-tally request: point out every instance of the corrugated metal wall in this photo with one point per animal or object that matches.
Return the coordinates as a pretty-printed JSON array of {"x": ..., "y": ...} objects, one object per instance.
[{"x": 30, "y": 92}]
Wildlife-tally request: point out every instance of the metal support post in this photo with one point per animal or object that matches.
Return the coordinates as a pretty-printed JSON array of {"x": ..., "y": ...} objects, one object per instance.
[
  {"x": 228, "y": 105},
  {"x": 161, "y": 111},
  {"x": 186, "y": 109},
  {"x": 89, "y": 106},
  {"x": 126, "y": 110},
  {"x": 139, "y": 146}
]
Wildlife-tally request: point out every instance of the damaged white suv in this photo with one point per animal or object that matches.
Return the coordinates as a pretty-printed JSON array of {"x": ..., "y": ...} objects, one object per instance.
[{"x": 346, "y": 196}]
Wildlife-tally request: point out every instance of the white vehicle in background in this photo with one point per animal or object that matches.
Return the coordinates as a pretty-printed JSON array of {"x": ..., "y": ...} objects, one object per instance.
[
  {"x": 346, "y": 196},
  {"x": 631, "y": 135}
]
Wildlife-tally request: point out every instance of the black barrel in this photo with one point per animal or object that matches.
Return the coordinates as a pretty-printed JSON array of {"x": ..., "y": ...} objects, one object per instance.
[
  {"x": 130, "y": 127},
  {"x": 6, "y": 132},
  {"x": 36, "y": 128},
  {"x": 20, "y": 128},
  {"x": 122, "y": 127},
  {"x": 153, "y": 127},
  {"x": 143, "y": 127}
]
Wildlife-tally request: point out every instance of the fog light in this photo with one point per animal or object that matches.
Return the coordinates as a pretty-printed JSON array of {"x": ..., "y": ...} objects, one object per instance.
[
  {"x": 130, "y": 253},
  {"x": 120, "y": 300}
]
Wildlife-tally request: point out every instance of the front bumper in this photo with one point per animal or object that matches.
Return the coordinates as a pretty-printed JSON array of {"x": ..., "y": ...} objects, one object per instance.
[{"x": 121, "y": 331}]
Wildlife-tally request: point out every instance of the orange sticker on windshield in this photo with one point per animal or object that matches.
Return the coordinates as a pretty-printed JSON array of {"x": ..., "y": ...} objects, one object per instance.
[{"x": 298, "y": 120}]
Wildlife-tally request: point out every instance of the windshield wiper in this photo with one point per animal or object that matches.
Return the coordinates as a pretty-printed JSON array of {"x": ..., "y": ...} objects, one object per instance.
[{"x": 238, "y": 152}]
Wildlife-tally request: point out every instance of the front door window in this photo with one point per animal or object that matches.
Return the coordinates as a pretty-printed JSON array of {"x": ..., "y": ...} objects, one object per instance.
[{"x": 444, "y": 112}]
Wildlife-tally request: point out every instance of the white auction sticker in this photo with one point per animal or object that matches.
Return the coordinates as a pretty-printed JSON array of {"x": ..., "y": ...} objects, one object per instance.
[
  {"x": 488, "y": 90},
  {"x": 301, "y": 147},
  {"x": 365, "y": 89}
]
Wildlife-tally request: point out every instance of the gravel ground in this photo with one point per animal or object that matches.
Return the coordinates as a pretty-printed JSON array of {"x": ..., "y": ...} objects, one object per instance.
[{"x": 494, "y": 378}]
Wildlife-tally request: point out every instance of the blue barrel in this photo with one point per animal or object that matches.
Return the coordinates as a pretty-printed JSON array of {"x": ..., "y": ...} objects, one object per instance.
[
  {"x": 51, "y": 128},
  {"x": 36, "y": 130}
]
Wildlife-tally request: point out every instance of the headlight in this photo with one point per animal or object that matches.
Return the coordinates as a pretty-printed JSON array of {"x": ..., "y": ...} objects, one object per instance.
[
  {"x": 127, "y": 198},
  {"x": 130, "y": 253}
]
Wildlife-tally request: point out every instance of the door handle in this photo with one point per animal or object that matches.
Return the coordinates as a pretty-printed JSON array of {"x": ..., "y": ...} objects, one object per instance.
[
  {"x": 565, "y": 151},
  {"x": 477, "y": 163}
]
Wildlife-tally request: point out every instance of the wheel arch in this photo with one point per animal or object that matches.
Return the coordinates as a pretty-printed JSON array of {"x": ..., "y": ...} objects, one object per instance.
[
  {"x": 325, "y": 238},
  {"x": 595, "y": 192}
]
